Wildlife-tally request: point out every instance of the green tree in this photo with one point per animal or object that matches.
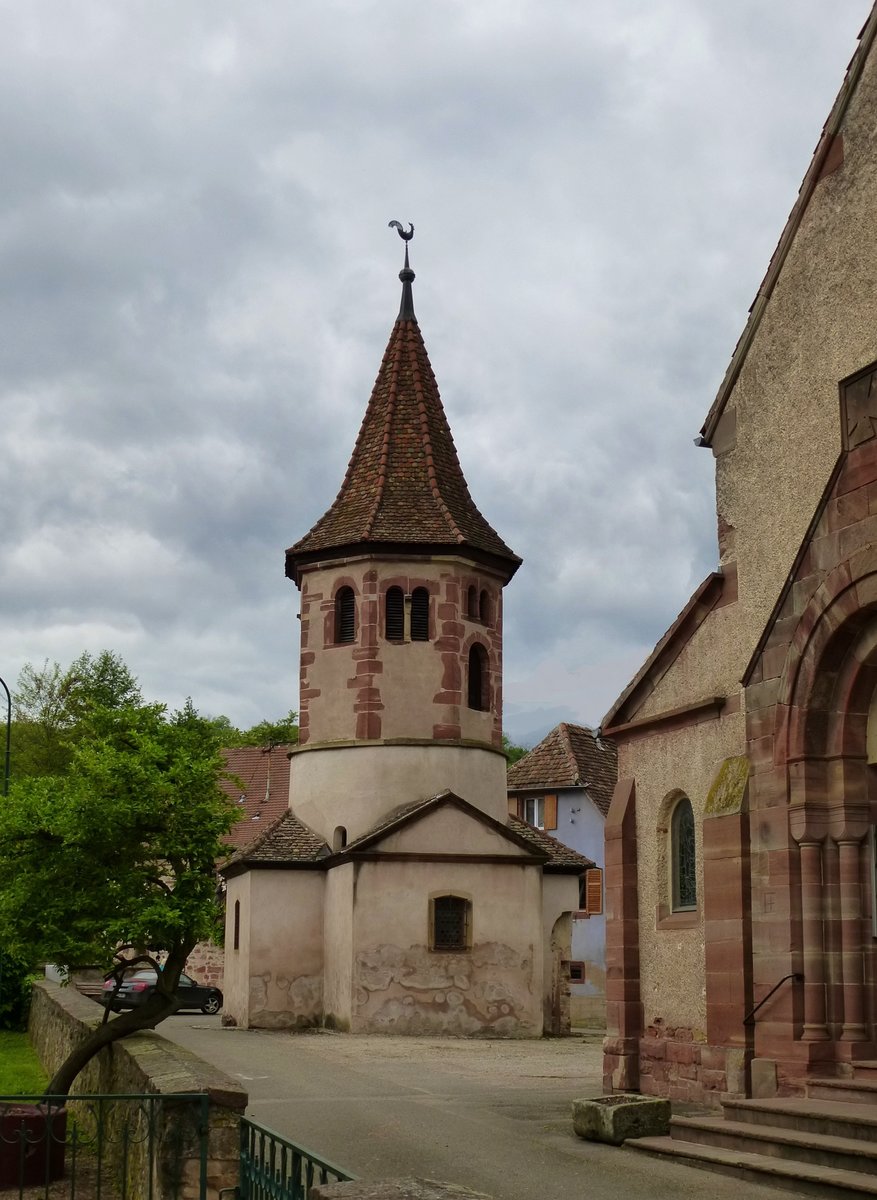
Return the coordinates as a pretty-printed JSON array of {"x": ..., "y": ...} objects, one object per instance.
[
  {"x": 512, "y": 752},
  {"x": 50, "y": 703},
  {"x": 267, "y": 733},
  {"x": 113, "y": 861}
]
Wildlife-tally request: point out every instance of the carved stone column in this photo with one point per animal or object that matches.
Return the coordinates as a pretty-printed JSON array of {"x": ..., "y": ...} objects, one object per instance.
[
  {"x": 809, "y": 826},
  {"x": 815, "y": 1027},
  {"x": 851, "y": 942}
]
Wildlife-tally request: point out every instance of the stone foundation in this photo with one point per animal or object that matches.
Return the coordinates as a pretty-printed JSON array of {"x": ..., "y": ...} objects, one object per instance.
[{"x": 674, "y": 1065}]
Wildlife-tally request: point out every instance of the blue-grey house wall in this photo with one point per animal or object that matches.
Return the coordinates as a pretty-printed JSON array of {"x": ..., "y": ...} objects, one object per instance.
[{"x": 580, "y": 826}]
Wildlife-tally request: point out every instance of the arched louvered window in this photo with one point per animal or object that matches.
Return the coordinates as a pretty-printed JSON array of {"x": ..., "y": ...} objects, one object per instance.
[
  {"x": 420, "y": 615},
  {"x": 345, "y": 615},
  {"x": 479, "y": 679},
  {"x": 683, "y": 856},
  {"x": 484, "y": 607},
  {"x": 472, "y": 602},
  {"x": 395, "y": 615},
  {"x": 450, "y": 923}
]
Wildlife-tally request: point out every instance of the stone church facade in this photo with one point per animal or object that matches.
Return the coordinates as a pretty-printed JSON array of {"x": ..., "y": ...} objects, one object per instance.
[
  {"x": 740, "y": 851},
  {"x": 396, "y": 893}
]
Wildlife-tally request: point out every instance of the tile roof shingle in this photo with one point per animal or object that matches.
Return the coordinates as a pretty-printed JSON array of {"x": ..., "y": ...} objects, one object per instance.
[
  {"x": 404, "y": 484},
  {"x": 286, "y": 840},
  {"x": 560, "y": 855},
  {"x": 264, "y": 774},
  {"x": 569, "y": 756}
]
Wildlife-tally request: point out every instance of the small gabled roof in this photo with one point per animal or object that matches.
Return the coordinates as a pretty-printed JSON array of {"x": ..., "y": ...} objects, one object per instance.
[
  {"x": 407, "y": 814},
  {"x": 263, "y": 773},
  {"x": 561, "y": 859},
  {"x": 826, "y": 157},
  {"x": 287, "y": 842},
  {"x": 569, "y": 756},
  {"x": 404, "y": 489}
]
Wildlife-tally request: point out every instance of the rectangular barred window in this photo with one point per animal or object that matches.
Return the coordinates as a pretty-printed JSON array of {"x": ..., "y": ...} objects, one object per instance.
[{"x": 450, "y": 923}]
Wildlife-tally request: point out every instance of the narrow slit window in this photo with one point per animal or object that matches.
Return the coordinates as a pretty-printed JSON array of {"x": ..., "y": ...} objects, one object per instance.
[
  {"x": 479, "y": 679},
  {"x": 395, "y": 614},
  {"x": 451, "y": 922},
  {"x": 484, "y": 607},
  {"x": 420, "y": 615},
  {"x": 345, "y": 615},
  {"x": 237, "y": 925},
  {"x": 683, "y": 857}
]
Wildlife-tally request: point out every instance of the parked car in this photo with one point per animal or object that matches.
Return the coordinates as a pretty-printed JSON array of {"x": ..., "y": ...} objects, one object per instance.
[{"x": 139, "y": 985}]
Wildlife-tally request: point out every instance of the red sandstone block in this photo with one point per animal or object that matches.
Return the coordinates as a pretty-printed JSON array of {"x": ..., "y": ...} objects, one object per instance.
[
  {"x": 654, "y": 1049},
  {"x": 714, "y": 1080},
  {"x": 759, "y": 721},
  {"x": 682, "y": 1052},
  {"x": 859, "y": 470},
  {"x": 712, "y": 1058},
  {"x": 773, "y": 660},
  {"x": 444, "y": 733}
]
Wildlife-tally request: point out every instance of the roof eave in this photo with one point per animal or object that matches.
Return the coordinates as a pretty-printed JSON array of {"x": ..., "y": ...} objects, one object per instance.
[{"x": 502, "y": 565}]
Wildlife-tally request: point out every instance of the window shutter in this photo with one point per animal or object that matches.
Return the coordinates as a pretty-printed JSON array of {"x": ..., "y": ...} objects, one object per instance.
[
  {"x": 550, "y": 812},
  {"x": 395, "y": 615},
  {"x": 514, "y": 806},
  {"x": 594, "y": 891},
  {"x": 420, "y": 615}
]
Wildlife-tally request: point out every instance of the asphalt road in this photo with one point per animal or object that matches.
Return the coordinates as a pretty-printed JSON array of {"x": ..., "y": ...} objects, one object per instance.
[{"x": 492, "y": 1115}]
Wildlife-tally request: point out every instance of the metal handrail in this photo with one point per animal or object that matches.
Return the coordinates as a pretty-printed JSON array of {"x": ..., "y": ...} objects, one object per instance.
[
  {"x": 273, "y": 1165},
  {"x": 798, "y": 978}
]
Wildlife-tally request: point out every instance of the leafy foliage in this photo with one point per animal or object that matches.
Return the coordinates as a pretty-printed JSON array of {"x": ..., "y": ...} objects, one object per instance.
[
  {"x": 51, "y": 702},
  {"x": 16, "y": 978},
  {"x": 116, "y": 856},
  {"x": 512, "y": 752},
  {"x": 267, "y": 733}
]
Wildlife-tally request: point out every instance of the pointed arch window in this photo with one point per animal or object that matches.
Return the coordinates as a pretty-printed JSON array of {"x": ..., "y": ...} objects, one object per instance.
[
  {"x": 420, "y": 615},
  {"x": 395, "y": 615},
  {"x": 479, "y": 679},
  {"x": 683, "y": 857},
  {"x": 345, "y": 615}
]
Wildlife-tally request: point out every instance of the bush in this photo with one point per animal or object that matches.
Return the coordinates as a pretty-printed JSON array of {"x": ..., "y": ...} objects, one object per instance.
[{"x": 16, "y": 978}]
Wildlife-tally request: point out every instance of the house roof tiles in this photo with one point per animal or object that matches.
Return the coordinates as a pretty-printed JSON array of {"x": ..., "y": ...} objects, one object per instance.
[
  {"x": 259, "y": 791},
  {"x": 569, "y": 756},
  {"x": 287, "y": 840},
  {"x": 560, "y": 857},
  {"x": 404, "y": 486}
]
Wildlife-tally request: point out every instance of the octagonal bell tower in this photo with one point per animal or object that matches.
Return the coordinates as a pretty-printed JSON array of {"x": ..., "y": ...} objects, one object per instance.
[{"x": 401, "y": 616}]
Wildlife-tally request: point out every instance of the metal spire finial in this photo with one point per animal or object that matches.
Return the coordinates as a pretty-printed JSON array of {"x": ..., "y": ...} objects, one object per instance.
[{"x": 406, "y": 275}]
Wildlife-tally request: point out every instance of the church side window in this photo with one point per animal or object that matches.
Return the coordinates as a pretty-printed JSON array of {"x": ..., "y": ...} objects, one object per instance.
[
  {"x": 683, "y": 856},
  {"x": 420, "y": 615},
  {"x": 345, "y": 615},
  {"x": 450, "y": 923},
  {"x": 479, "y": 679},
  {"x": 395, "y": 615}
]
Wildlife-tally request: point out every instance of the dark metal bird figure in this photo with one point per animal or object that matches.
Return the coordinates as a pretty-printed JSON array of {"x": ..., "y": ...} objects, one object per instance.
[{"x": 406, "y": 237}]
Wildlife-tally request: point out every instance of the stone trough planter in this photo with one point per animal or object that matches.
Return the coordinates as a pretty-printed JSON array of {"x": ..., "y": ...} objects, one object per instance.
[{"x": 613, "y": 1119}]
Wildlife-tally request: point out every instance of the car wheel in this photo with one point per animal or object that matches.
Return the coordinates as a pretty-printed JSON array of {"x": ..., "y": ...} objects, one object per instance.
[{"x": 212, "y": 1004}]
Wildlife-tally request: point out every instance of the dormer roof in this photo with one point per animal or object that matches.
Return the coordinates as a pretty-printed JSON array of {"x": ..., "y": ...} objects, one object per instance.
[{"x": 404, "y": 490}]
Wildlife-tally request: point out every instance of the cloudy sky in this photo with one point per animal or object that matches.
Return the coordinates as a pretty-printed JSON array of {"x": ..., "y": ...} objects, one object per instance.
[{"x": 197, "y": 283}]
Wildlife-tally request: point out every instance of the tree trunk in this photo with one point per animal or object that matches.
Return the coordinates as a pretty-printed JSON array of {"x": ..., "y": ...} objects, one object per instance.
[{"x": 162, "y": 1003}]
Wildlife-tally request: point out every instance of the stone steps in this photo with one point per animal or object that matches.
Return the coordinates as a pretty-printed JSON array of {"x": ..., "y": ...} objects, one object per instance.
[
  {"x": 803, "y": 1178},
  {"x": 855, "y": 1090},
  {"x": 812, "y": 1146}
]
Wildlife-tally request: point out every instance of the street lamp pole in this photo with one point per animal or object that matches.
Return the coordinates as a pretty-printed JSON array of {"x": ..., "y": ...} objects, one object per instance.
[{"x": 8, "y": 737}]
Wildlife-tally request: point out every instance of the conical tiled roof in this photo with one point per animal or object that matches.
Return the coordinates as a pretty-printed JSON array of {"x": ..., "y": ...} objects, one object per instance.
[{"x": 404, "y": 487}]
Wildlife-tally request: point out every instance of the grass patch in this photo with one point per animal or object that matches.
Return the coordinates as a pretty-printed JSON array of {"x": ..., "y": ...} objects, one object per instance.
[{"x": 20, "y": 1070}]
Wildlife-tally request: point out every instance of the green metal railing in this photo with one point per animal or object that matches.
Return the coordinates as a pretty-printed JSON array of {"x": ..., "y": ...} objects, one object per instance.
[
  {"x": 273, "y": 1168},
  {"x": 104, "y": 1147}
]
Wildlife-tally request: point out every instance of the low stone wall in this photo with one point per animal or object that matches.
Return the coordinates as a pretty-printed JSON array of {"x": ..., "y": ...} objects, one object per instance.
[
  {"x": 676, "y": 1065},
  {"x": 143, "y": 1064}
]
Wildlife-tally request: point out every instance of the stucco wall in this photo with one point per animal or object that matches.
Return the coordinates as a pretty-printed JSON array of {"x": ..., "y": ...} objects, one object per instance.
[
  {"x": 281, "y": 949},
  {"x": 354, "y": 786},
  {"x": 672, "y": 973},
  {"x": 819, "y": 326},
  {"x": 338, "y": 940},
  {"x": 709, "y": 664},
  {"x": 560, "y": 898},
  {"x": 375, "y": 688},
  {"x": 580, "y": 824},
  {"x": 401, "y": 986}
]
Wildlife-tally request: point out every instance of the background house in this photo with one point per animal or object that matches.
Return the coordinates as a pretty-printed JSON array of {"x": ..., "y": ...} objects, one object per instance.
[{"x": 564, "y": 786}]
